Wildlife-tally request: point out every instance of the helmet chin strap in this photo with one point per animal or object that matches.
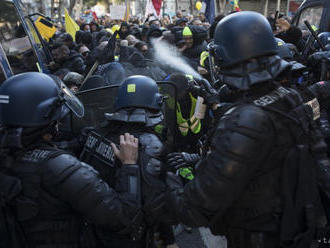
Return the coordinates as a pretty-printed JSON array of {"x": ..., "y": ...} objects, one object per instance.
[
  {"x": 11, "y": 138},
  {"x": 47, "y": 133}
]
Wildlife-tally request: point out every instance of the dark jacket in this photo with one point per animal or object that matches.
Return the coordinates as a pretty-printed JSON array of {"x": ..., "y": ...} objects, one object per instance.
[
  {"x": 293, "y": 35},
  {"x": 150, "y": 152},
  {"x": 61, "y": 195},
  {"x": 123, "y": 35},
  {"x": 193, "y": 53},
  {"x": 75, "y": 62},
  {"x": 238, "y": 187}
]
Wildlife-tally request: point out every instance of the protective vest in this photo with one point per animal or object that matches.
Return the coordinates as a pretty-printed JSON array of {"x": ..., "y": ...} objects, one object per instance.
[
  {"x": 261, "y": 208},
  {"x": 46, "y": 220},
  {"x": 193, "y": 124},
  {"x": 98, "y": 153}
]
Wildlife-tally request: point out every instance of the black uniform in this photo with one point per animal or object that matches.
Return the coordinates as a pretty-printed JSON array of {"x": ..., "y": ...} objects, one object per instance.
[
  {"x": 60, "y": 194},
  {"x": 240, "y": 180},
  {"x": 137, "y": 107},
  {"x": 150, "y": 152},
  {"x": 258, "y": 184}
]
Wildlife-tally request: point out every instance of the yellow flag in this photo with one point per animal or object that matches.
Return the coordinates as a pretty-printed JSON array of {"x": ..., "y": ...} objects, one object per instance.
[
  {"x": 71, "y": 26},
  {"x": 46, "y": 28},
  {"x": 127, "y": 12}
]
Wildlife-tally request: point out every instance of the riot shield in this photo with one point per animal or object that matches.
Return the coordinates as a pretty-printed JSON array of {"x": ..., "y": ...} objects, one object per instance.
[
  {"x": 96, "y": 102},
  {"x": 99, "y": 101},
  {"x": 151, "y": 69}
]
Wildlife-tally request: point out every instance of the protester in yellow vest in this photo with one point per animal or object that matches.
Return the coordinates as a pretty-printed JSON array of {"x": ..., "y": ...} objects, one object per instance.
[{"x": 190, "y": 128}]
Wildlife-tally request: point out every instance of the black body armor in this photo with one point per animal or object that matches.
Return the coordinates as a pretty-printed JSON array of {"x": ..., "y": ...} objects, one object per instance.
[
  {"x": 240, "y": 189},
  {"x": 62, "y": 196}
]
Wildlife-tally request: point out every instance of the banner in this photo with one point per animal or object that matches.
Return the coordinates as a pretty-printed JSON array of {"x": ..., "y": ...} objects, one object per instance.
[
  {"x": 71, "y": 26},
  {"x": 154, "y": 7},
  {"x": 117, "y": 12},
  {"x": 45, "y": 28},
  {"x": 210, "y": 10}
]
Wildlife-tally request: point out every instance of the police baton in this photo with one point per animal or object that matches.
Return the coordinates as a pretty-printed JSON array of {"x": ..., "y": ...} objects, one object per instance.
[
  {"x": 275, "y": 19},
  {"x": 91, "y": 71},
  {"x": 324, "y": 62},
  {"x": 309, "y": 26}
]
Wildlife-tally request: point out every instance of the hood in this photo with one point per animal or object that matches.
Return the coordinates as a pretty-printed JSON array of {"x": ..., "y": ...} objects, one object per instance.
[
  {"x": 122, "y": 34},
  {"x": 137, "y": 59},
  {"x": 154, "y": 32},
  {"x": 199, "y": 34}
]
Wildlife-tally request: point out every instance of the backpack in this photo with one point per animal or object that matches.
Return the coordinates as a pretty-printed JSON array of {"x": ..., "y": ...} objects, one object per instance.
[
  {"x": 300, "y": 200},
  {"x": 299, "y": 187}
]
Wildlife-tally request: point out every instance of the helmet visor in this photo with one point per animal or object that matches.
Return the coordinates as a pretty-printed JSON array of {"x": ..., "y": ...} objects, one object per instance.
[{"x": 71, "y": 101}]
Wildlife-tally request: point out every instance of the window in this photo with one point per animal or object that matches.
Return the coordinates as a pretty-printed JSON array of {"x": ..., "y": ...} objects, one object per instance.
[
  {"x": 312, "y": 15},
  {"x": 14, "y": 40}
]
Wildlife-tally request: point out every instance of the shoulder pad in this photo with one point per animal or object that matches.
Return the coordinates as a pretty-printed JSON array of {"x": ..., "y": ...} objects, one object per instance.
[
  {"x": 245, "y": 133},
  {"x": 152, "y": 144},
  {"x": 63, "y": 165},
  {"x": 248, "y": 117}
]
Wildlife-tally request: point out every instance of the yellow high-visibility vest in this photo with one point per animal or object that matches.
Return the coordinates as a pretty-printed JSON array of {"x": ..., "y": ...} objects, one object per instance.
[{"x": 193, "y": 124}]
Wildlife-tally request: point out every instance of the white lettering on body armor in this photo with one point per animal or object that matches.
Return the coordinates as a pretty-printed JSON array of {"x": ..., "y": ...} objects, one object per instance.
[
  {"x": 272, "y": 97},
  {"x": 105, "y": 150},
  {"x": 36, "y": 155},
  {"x": 91, "y": 141}
]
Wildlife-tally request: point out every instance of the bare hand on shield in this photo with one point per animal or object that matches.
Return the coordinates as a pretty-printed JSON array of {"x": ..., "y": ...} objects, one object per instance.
[{"x": 128, "y": 150}]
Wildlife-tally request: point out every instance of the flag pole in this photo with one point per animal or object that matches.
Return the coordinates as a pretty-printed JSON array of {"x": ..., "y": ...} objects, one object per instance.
[{"x": 163, "y": 2}]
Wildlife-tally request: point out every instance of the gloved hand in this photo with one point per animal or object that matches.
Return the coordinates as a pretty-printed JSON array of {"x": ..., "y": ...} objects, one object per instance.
[
  {"x": 206, "y": 91},
  {"x": 84, "y": 132},
  {"x": 321, "y": 90},
  {"x": 315, "y": 59},
  {"x": 179, "y": 160}
]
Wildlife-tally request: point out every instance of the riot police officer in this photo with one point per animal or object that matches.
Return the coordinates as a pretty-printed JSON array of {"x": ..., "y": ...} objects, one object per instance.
[
  {"x": 60, "y": 195},
  {"x": 257, "y": 185},
  {"x": 137, "y": 110}
]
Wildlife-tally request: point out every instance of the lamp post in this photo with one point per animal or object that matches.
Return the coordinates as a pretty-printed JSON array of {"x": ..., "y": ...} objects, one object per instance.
[{"x": 278, "y": 6}]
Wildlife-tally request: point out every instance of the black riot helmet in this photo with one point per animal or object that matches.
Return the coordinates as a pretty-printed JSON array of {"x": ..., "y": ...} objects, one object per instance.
[
  {"x": 242, "y": 36},
  {"x": 324, "y": 38},
  {"x": 284, "y": 51},
  {"x": 35, "y": 99},
  {"x": 139, "y": 92}
]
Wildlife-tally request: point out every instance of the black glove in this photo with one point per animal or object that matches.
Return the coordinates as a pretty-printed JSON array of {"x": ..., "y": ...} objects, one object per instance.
[
  {"x": 157, "y": 208},
  {"x": 179, "y": 160},
  {"x": 316, "y": 58},
  {"x": 321, "y": 90},
  {"x": 84, "y": 132},
  {"x": 206, "y": 91}
]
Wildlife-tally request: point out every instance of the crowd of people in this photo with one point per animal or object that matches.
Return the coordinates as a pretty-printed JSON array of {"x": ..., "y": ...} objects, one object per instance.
[
  {"x": 130, "y": 45},
  {"x": 246, "y": 154}
]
